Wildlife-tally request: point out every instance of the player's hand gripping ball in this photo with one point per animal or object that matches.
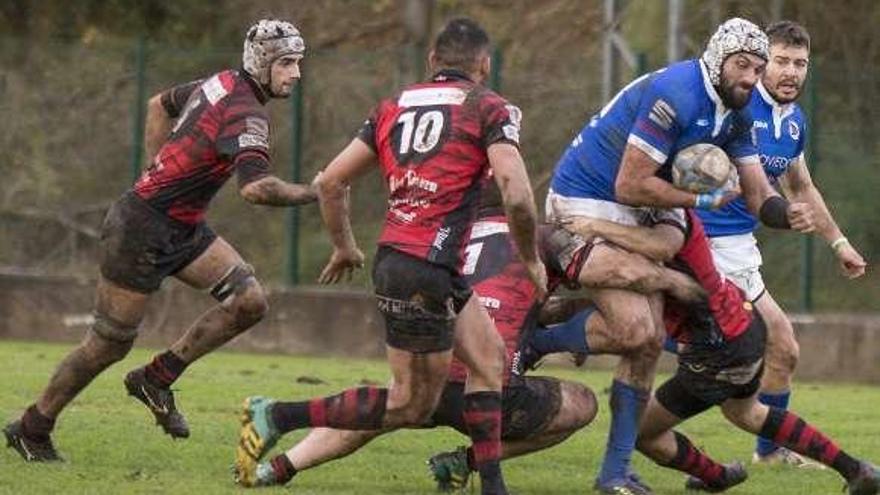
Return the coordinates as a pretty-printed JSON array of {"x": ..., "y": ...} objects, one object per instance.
[{"x": 703, "y": 168}]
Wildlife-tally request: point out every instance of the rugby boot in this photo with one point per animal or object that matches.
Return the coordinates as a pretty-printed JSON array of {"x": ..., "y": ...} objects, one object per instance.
[
  {"x": 623, "y": 486},
  {"x": 28, "y": 448},
  {"x": 734, "y": 474},
  {"x": 159, "y": 400},
  {"x": 866, "y": 482},
  {"x": 636, "y": 479},
  {"x": 450, "y": 470},
  {"x": 252, "y": 475},
  {"x": 787, "y": 457},
  {"x": 256, "y": 437}
]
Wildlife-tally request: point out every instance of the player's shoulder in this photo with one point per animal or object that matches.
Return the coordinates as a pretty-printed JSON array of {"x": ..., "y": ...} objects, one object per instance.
[
  {"x": 245, "y": 95},
  {"x": 798, "y": 114},
  {"x": 680, "y": 85}
]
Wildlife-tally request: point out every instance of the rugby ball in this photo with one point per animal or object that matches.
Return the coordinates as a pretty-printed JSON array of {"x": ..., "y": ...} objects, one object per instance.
[{"x": 701, "y": 168}]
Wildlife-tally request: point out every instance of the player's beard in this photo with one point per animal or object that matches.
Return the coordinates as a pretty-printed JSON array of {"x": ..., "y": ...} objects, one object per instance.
[
  {"x": 734, "y": 96},
  {"x": 786, "y": 99}
]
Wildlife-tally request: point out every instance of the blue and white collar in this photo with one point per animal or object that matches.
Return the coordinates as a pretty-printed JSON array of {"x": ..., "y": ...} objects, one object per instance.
[
  {"x": 721, "y": 111},
  {"x": 779, "y": 111}
]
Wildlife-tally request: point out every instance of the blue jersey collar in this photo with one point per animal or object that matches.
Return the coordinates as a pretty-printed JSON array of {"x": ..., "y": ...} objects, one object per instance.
[
  {"x": 777, "y": 110},
  {"x": 721, "y": 111}
]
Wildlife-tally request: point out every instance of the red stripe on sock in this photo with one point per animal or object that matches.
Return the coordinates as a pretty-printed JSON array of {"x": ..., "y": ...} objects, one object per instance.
[
  {"x": 486, "y": 451},
  {"x": 830, "y": 453},
  {"x": 807, "y": 434},
  {"x": 349, "y": 406},
  {"x": 785, "y": 429},
  {"x": 317, "y": 413}
]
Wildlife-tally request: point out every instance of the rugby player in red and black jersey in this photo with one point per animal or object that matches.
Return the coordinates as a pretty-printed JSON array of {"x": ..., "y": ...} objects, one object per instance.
[
  {"x": 538, "y": 412},
  {"x": 433, "y": 143},
  {"x": 721, "y": 343},
  {"x": 198, "y": 134}
]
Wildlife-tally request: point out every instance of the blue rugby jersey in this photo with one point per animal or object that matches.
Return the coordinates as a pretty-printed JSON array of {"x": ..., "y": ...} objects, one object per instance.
[
  {"x": 660, "y": 113},
  {"x": 780, "y": 132}
]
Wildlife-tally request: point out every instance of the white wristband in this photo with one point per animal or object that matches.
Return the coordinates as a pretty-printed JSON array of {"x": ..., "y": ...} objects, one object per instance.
[{"x": 839, "y": 243}]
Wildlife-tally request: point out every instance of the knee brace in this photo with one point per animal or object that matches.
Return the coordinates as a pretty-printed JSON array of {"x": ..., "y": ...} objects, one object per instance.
[
  {"x": 233, "y": 283},
  {"x": 110, "y": 329}
]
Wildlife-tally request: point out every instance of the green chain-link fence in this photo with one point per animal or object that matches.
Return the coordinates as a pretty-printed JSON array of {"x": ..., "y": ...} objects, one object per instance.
[{"x": 70, "y": 135}]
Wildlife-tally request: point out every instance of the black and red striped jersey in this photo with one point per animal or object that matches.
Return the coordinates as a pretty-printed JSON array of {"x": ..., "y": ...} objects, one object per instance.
[
  {"x": 501, "y": 282},
  {"x": 725, "y": 315},
  {"x": 431, "y": 140},
  {"x": 222, "y": 126}
]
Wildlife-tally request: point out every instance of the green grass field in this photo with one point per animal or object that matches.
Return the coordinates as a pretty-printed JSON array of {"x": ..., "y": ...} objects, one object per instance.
[{"x": 112, "y": 446}]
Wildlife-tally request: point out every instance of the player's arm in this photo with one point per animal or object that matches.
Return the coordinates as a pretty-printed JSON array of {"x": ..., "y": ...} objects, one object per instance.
[
  {"x": 559, "y": 309},
  {"x": 162, "y": 110},
  {"x": 638, "y": 185},
  {"x": 767, "y": 205},
  {"x": 269, "y": 190},
  {"x": 332, "y": 185},
  {"x": 798, "y": 186},
  {"x": 519, "y": 206},
  {"x": 659, "y": 242}
]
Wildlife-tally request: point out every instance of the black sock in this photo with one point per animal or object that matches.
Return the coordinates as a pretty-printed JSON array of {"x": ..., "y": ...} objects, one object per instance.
[
  {"x": 789, "y": 430},
  {"x": 283, "y": 468},
  {"x": 360, "y": 408},
  {"x": 35, "y": 425},
  {"x": 164, "y": 369}
]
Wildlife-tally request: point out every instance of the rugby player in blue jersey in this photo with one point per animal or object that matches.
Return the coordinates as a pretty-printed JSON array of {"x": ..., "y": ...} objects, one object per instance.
[
  {"x": 618, "y": 168},
  {"x": 780, "y": 131}
]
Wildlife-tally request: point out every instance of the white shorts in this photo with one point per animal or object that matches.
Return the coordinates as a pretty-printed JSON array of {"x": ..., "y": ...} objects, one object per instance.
[
  {"x": 558, "y": 207},
  {"x": 738, "y": 258}
]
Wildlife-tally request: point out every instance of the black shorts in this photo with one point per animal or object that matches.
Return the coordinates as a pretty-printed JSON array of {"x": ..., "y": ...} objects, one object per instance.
[
  {"x": 709, "y": 375},
  {"x": 140, "y": 246},
  {"x": 529, "y": 405},
  {"x": 419, "y": 300}
]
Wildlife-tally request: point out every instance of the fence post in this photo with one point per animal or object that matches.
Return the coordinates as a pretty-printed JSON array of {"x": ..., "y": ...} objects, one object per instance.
[
  {"x": 641, "y": 64},
  {"x": 137, "y": 128},
  {"x": 495, "y": 73},
  {"x": 807, "y": 248},
  {"x": 296, "y": 116}
]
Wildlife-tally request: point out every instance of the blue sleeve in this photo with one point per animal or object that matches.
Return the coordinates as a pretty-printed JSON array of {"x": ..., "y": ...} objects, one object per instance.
[
  {"x": 741, "y": 145},
  {"x": 659, "y": 121}
]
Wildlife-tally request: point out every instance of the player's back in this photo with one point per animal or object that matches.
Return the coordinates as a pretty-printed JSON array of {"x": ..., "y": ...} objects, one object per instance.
[
  {"x": 431, "y": 140},
  {"x": 726, "y": 314},
  {"x": 222, "y": 117},
  {"x": 780, "y": 135},
  {"x": 660, "y": 113}
]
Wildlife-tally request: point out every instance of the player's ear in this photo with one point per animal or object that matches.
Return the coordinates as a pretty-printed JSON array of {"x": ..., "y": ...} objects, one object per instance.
[
  {"x": 432, "y": 61},
  {"x": 485, "y": 66}
]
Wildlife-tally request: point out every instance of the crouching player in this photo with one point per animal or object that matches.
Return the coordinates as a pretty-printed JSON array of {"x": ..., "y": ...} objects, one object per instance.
[
  {"x": 538, "y": 412},
  {"x": 721, "y": 350}
]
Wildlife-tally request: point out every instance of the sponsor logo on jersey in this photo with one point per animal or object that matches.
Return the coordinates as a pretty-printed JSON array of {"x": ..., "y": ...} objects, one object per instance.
[
  {"x": 794, "y": 130},
  {"x": 411, "y": 179},
  {"x": 662, "y": 114},
  {"x": 256, "y": 134},
  {"x": 490, "y": 302},
  {"x": 511, "y": 129},
  {"x": 441, "y": 237},
  {"x": 775, "y": 165},
  {"x": 703, "y": 122},
  {"x": 424, "y": 97},
  {"x": 760, "y": 124},
  {"x": 214, "y": 90}
]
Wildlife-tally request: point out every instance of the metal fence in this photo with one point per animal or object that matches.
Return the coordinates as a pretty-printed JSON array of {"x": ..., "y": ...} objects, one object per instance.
[{"x": 70, "y": 144}]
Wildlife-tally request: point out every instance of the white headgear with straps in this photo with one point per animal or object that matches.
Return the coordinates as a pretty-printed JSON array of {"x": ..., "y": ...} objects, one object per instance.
[
  {"x": 267, "y": 40},
  {"x": 733, "y": 36}
]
